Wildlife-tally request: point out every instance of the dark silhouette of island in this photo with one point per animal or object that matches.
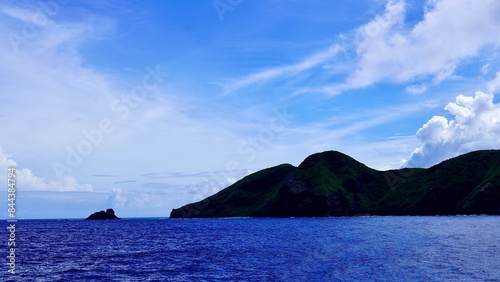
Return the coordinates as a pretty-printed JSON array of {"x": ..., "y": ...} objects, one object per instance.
[
  {"x": 103, "y": 215},
  {"x": 334, "y": 184}
]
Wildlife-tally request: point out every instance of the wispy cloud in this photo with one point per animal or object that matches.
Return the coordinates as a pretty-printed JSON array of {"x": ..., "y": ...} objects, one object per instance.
[
  {"x": 417, "y": 88},
  {"x": 288, "y": 70},
  {"x": 449, "y": 34},
  {"x": 363, "y": 121}
]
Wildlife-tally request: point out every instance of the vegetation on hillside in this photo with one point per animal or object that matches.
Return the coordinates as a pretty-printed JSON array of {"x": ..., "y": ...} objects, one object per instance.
[{"x": 334, "y": 184}]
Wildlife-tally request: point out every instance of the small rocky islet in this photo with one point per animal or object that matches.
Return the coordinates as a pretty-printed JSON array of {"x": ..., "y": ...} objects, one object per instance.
[{"x": 109, "y": 214}]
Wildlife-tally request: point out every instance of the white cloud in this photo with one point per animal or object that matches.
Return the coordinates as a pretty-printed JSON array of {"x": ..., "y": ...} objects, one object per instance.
[
  {"x": 417, "y": 88},
  {"x": 451, "y": 32},
  {"x": 116, "y": 199},
  {"x": 485, "y": 69},
  {"x": 36, "y": 31},
  {"x": 55, "y": 96},
  {"x": 494, "y": 84},
  {"x": 27, "y": 181},
  {"x": 476, "y": 126},
  {"x": 30, "y": 182},
  {"x": 210, "y": 184},
  {"x": 5, "y": 161},
  {"x": 122, "y": 199},
  {"x": 59, "y": 97},
  {"x": 288, "y": 70}
]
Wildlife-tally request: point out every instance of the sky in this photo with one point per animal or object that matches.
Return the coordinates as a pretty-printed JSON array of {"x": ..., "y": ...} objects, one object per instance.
[{"x": 144, "y": 106}]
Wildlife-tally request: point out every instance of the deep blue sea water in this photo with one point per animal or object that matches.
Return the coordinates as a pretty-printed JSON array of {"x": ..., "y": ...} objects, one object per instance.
[{"x": 323, "y": 249}]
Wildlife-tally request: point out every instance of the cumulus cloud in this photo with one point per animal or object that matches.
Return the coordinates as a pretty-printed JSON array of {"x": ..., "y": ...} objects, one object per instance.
[
  {"x": 117, "y": 198},
  {"x": 123, "y": 199},
  {"x": 27, "y": 181},
  {"x": 475, "y": 126},
  {"x": 5, "y": 161}
]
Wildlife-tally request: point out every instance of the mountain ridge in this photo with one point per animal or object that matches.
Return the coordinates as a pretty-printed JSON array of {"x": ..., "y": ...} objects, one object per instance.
[{"x": 331, "y": 183}]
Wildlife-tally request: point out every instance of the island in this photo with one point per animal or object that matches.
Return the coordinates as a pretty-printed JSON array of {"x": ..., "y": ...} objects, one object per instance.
[
  {"x": 109, "y": 214},
  {"x": 334, "y": 184}
]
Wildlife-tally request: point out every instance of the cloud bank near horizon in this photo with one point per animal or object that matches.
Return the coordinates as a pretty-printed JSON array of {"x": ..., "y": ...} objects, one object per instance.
[{"x": 26, "y": 180}]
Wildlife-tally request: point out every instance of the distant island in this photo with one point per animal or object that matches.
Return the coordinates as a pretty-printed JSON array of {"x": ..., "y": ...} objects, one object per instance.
[
  {"x": 103, "y": 215},
  {"x": 334, "y": 184}
]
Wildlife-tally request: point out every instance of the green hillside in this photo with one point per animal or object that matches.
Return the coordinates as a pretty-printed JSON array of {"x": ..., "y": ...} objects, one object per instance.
[{"x": 334, "y": 184}]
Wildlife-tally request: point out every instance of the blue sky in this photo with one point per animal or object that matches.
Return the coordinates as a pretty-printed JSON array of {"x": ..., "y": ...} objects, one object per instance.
[{"x": 144, "y": 106}]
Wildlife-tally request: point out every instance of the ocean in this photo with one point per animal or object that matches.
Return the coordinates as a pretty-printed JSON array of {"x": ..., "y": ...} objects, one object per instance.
[{"x": 464, "y": 248}]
